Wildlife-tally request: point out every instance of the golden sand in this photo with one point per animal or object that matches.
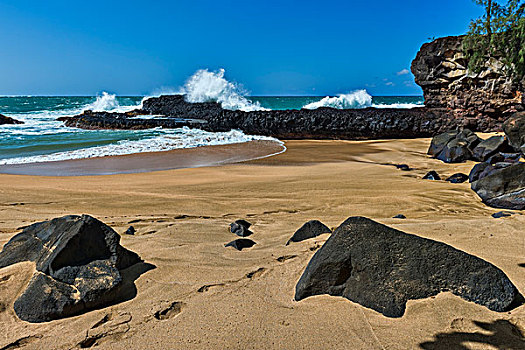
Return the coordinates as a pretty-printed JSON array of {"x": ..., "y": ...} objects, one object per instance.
[{"x": 206, "y": 296}]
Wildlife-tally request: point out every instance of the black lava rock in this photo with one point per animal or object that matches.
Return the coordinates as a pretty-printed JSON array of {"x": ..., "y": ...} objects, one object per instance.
[
  {"x": 501, "y": 157},
  {"x": 8, "y": 120},
  {"x": 321, "y": 123},
  {"x": 457, "y": 178},
  {"x": 514, "y": 128},
  {"x": 382, "y": 268},
  {"x": 78, "y": 261},
  {"x": 432, "y": 175},
  {"x": 504, "y": 188},
  {"x": 241, "y": 228},
  {"x": 130, "y": 231},
  {"x": 453, "y": 146},
  {"x": 311, "y": 229},
  {"x": 487, "y": 148},
  {"x": 501, "y": 214},
  {"x": 241, "y": 243},
  {"x": 403, "y": 167}
]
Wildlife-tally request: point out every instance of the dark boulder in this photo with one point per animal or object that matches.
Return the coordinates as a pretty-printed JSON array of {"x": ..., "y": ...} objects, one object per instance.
[
  {"x": 504, "y": 188},
  {"x": 382, "y": 268},
  {"x": 457, "y": 178},
  {"x": 78, "y": 261},
  {"x": 241, "y": 243},
  {"x": 453, "y": 146},
  {"x": 130, "y": 231},
  {"x": 501, "y": 157},
  {"x": 489, "y": 147},
  {"x": 241, "y": 228},
  {"x": 514, "y": 128},
  {"x": 311, "y": 229},
  {"x": 8, "y": 120},
  {"x": 432, "y": 175},
  {"x": 480, "y": 170}
]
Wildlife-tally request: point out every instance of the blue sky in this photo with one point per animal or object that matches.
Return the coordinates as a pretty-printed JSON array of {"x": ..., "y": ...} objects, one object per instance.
[{"x": 271, "y": 47}]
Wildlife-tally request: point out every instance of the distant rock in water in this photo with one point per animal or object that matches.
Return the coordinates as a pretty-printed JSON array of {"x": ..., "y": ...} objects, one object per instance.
[
  {"x": 311, "y": 229},
  {"x": 382, "y": 268},
  {"x": 78, "y": 261},
  {"x": 483, "y": 101},
  {"x": 8, "y": 120}
]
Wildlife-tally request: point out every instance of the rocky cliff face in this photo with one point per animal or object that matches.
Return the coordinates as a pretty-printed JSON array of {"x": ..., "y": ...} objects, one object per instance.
[{"x": 440, "y": 68}]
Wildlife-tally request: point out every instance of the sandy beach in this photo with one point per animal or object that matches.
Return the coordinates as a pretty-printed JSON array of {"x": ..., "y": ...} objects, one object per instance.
[{"x": 212, "y": 297}]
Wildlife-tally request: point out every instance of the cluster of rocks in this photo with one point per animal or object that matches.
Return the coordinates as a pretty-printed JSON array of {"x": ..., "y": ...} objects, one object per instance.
[
  {"x": 382, "y": 268},
  {"x": 242, "y": 229},
  {"x": 499, "y": 178},
  {"x": 79, "y": 263},
  {"x": 8, "y": 120},
  {"x": 482, "y": 100}
]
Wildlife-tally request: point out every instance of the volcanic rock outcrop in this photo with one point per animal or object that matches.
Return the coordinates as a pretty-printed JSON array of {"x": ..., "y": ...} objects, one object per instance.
[
  {"x": 382, "y": 268},
  {"x": 78, "y": 267},
  {"x": 482, "y": 100},
  {"x": 8, "y": 120}
]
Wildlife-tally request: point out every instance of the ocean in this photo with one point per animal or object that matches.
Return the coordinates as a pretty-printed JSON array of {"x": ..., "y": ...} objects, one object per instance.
[{"x": 43, "y": 139}]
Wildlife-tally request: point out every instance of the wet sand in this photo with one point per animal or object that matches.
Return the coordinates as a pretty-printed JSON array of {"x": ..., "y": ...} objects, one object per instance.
[
  {"x": 244, "y": 300},
  {"x": 153, "y": 161}
]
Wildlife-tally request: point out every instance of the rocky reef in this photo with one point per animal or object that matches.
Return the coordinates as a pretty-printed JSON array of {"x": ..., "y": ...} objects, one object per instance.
[
  {"x": 483, "y": 100},
  {"x": 323, "y": 123},
  {"x": 8, "y": 120}
]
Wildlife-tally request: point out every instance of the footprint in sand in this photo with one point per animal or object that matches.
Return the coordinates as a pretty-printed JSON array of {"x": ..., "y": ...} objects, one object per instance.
[
  {"x": 285, "y": 258},
  {"x": 173, "y": 310}
]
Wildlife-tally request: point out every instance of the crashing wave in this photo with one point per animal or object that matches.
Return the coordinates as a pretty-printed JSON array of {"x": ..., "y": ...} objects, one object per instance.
[
  {"x": 105, "y": 102},
  {"x": 356, "y": 99},
  {"x": 206, "y": 86},
  {"x": 166, "y": 140}
]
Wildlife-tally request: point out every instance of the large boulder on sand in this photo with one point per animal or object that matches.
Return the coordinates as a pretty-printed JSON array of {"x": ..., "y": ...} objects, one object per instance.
[
  {"x": 382, "y": 268},
  {"x": 310, "y": 229},
  {"x": 504, "y": 188},
  {"x": 78, "y": 261},
  {"x": 454, "y": 146},
  {"x": 514, "y": 128}
]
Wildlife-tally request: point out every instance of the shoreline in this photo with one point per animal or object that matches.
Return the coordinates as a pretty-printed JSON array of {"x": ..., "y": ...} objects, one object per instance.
[{"x": 195, "y": 157}]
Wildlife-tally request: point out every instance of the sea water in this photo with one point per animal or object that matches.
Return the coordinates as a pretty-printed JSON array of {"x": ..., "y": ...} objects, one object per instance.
[{"x": 42, "y": 138}]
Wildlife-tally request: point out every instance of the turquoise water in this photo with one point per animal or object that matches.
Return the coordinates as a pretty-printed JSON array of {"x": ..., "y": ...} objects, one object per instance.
[{"x": 43, "y": 138}]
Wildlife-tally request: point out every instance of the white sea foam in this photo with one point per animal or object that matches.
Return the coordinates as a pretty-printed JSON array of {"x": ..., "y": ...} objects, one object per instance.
[
  {"x": 206, "y": 86},
  {"x": 356, "y": 99},
  {"x": 399, "y": 105},
  {"x": 167, "y": 140}
]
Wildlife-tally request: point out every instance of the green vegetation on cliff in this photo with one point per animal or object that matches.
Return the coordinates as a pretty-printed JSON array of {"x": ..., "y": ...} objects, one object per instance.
[{"x": 500, "y": 32}]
